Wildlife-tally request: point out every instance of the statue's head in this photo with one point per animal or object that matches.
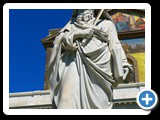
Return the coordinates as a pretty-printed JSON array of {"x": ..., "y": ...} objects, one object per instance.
[{"x": 85, "y": 15}]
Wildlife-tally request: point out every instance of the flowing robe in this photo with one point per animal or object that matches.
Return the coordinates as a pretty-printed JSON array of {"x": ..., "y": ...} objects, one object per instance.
[{"x": 81, "y": 71}]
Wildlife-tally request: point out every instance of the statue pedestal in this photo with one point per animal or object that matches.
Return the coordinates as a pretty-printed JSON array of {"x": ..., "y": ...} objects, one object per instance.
[{"x": 124, "y": 98}]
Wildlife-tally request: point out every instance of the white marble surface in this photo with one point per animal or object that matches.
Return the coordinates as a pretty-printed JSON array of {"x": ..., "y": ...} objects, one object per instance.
[{"x": 123, "y": 93}]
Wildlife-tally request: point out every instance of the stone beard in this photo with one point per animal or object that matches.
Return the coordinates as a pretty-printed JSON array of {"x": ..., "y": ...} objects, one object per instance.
[{"x": 85, "y": 15}]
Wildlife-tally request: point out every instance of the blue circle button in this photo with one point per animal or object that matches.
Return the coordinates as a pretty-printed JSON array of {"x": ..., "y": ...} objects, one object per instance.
[{"x": 147, "y": 99}]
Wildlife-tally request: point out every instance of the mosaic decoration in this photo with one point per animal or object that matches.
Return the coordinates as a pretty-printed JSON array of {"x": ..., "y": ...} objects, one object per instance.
[
  {"x": 135, "y": 45},
  {"x": 136, "y": 48},
  {"x": 127, "y": 22}
]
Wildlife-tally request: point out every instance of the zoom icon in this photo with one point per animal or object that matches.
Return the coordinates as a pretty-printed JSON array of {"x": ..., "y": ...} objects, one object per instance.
[{"x": 147, "y": 99}]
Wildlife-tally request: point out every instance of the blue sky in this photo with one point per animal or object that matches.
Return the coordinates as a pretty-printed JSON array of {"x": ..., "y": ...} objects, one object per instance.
[
  {"x": 27, "y": 27},
  {"x": 26, "y": 53}
]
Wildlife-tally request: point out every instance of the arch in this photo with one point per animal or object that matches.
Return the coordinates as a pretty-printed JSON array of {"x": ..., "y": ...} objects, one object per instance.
[{"x": 133, "y": 62}]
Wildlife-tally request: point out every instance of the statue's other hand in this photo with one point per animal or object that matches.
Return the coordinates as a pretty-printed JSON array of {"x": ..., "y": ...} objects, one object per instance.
[
  {"x": 128, "y": 70},
  {"x": 131, "y": 70}
]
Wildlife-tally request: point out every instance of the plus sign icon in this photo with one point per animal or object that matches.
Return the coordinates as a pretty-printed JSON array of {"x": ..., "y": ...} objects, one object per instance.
[{"x": 147, "y": 99}]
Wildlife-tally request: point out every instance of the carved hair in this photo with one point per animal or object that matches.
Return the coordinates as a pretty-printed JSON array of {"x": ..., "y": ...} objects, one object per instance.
[
  {"x": 104, "y": 15},
  {"x": 81, "y": 15}
]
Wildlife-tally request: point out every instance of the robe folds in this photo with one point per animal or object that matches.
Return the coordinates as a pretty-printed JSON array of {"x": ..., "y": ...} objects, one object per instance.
[{"x": 81, "y": 72}]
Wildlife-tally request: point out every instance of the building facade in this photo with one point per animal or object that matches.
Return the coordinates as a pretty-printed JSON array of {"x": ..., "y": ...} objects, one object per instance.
[{"x": 130, "y": 25}]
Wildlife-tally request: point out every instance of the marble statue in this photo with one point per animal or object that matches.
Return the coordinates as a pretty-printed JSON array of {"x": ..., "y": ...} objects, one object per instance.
[{"x": 86, "y": 62}]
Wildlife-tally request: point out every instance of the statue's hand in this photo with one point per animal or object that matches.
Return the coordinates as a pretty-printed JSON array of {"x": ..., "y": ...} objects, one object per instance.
[
  {"x": 88, "y": 33},
  {"x": 84, "y": 34}
]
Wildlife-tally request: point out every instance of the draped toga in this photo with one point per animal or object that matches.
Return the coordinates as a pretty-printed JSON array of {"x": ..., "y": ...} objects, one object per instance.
[{"x": 81, "y": 72}]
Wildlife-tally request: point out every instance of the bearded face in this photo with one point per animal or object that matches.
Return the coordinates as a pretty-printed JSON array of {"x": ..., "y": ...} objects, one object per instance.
[{"x": 85, "y": 15}]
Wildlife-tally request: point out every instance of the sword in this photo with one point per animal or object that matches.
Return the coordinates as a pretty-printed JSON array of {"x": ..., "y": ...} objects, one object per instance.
[
  {"x": 94, "y": 23},
  {"x": 98, "y": 16}
]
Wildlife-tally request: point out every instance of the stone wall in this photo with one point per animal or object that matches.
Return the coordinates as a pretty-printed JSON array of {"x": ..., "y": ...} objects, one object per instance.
[{"x": 124, "y": 98}]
